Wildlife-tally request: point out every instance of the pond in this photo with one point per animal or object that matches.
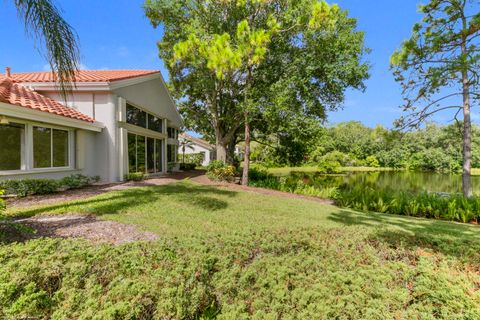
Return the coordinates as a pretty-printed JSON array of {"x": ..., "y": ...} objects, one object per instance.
[{"x": 397, "y": 180}]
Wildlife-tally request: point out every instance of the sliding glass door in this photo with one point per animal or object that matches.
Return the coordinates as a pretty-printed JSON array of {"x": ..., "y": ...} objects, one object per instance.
[{"x": 144, "y": 154}]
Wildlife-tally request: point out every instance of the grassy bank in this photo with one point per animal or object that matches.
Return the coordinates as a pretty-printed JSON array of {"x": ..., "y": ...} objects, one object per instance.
[
  {"x": 238, "y": 255},
  {"x": 288, "y": 170}
]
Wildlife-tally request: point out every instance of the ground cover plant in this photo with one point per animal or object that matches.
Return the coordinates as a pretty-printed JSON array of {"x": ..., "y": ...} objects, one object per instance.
[
  {"x": 364, "y": 197},
  {"x": 238, "y": 255}
]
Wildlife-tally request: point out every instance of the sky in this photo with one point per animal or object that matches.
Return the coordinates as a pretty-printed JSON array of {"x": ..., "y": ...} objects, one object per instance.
[{"x": 115, "y": 34}]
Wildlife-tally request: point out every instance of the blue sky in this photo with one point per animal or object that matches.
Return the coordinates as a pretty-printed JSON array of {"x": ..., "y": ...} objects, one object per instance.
[{"x": 117, "y": 35}]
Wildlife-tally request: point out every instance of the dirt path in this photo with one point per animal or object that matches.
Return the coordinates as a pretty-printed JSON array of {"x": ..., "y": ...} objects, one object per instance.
[{"x": 73, "y": 226}]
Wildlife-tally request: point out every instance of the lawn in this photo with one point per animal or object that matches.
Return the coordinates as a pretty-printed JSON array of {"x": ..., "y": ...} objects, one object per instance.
[{"x": 239, "y": 255}]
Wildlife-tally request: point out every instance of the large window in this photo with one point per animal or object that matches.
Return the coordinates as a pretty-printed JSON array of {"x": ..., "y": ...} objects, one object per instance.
[
  {"x": 11, "y": 146},
  {"x": 50, "y": 148},
  {"x": 144, "y": 154},
  {"x": 28, "y": 146},
  {"x": 143, "y": 119},
  {"x": 172, "y": 133},
  {"x": 172, "y": 153}
]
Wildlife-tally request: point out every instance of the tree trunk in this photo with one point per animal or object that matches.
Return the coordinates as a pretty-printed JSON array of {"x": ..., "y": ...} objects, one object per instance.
[
  {"x": 467, "y": 140},
  {"x": 467, "y": 126},
  {"x": 221, "y": 150},
  {"x": 246, "y": 161}
]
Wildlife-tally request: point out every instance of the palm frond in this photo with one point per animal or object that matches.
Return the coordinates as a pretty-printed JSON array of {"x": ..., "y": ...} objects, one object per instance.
[{"x": 44, "y": 21}]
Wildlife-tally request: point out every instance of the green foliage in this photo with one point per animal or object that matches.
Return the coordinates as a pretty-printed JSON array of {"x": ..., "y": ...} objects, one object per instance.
[
  {"x": 432, "y": 148},
  {"x": 242, "y": 255},
  {"x": 331, "y": 162},
  {"x": 219, "y": 171},
  {"x": 2, "y": 202},
  {"x": 426, "y": 205},
  {"x": 229, "y": 59},
  {"x": 372, "y": 161},
  {"x": 26, "y": 187},
  {"x": 135, "y": 176},
  {"x": 195, "y": 158},
  {"x": 77, "y": 181},
  {"x": 44, "y": 21}
]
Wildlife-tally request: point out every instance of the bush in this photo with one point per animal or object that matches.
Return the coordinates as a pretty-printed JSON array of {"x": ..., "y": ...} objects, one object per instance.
[
  {"x": 187, "y": 166},
  {"x": 195, "y": 158},
  {"x": 26, "y": 187},
  {"x": 452, "y": 207},
  {"x": 258, "y": 173},
  {"x": 77, "y": 181},
  {"x": 372, "y": 161},
  {"x": 219, "y": 171},
  {"x": 135, "y": 176},
  {"x": 2, "y": 202}
]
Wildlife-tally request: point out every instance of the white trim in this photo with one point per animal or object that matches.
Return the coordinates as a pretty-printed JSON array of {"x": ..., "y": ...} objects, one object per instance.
[
  {"x": 37, "y": 171},
  {"x": 19, "y": 112},
  {"x": 117, "y": 84},
  {"x": 141, "y": 131}
]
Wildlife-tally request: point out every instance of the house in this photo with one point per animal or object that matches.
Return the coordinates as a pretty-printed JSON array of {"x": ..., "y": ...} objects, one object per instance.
[
  {"x": 114, "y": 122},
  {"x": 197, "y": 146}
]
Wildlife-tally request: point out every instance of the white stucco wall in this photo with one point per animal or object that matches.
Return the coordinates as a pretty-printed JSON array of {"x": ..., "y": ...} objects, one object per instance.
[
  {"x": 101, "y": 149},
  {"x": 152, "y": 96}
]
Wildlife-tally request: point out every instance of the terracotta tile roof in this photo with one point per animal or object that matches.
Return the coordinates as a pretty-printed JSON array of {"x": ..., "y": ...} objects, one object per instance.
[
  {"x": 16, "y": 94},
  {"x": 83, "y": 75}
]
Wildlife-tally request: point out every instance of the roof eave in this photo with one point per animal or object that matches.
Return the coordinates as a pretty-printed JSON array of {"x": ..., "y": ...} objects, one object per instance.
[{"x": 25, "y": 113}]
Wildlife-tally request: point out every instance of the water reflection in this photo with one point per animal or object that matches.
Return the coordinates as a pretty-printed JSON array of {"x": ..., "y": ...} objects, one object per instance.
[{"x": 398, "y": 180}]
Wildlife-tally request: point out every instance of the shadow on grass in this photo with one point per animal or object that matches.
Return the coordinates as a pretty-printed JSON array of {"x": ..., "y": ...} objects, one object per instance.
[
  {"x": 201, "y": 197},
  {"x": 453, "y": 239}
]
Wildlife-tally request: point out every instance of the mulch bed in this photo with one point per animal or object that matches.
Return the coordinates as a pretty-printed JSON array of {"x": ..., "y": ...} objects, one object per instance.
[{"x": 72, "y": 226}]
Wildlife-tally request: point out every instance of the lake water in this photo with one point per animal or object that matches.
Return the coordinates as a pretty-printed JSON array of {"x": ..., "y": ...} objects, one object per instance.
[{"x": 397, "y": 180}]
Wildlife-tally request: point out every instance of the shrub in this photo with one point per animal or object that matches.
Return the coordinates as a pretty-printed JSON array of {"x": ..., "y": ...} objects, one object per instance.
[
  {"x": 2, "y": 202},
  {"x": 258, "y": 173},
  {"x": 26, "y": 187},
  {"x": 219, "y": 171},
  {"x": 372, "y": 161},
  {"x": 77, "y": 181},
  {"x": 453, "y": 207},
  {"x": 195, "y": 158},
  {"x": 135, "y": 176}
]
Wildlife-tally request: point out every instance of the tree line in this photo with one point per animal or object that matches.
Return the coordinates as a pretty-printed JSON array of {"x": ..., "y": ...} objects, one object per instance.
[{"x": 431, "y": 148}]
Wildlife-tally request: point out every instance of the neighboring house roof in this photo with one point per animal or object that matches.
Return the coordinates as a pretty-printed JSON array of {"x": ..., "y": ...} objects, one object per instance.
[
  {"x": 197, "y": 141},
  {"x": 83, "y": 75},
  {"x": 18, "y": 95}
]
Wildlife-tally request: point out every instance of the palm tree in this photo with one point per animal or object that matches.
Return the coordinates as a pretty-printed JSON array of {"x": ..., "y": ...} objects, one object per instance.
[
  {"x": 185, "y": 143},
  {"x": 44, "y": 22}
]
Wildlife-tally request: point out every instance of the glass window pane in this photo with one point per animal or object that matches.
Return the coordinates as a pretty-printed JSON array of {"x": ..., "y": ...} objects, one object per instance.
[
  {"x": 158, "y": 158},
  {"x": 141, "y": 154},
  {"x": 154, "y": 123},
  {"x": 42, "y": 147},
  {"x": 150, "y": 155},
  {"x": 60, "y": 148},
  {"x": 136, "y": 116},
  {"x": 132, "y": 153},
  {"x": 11, "y": 138}
]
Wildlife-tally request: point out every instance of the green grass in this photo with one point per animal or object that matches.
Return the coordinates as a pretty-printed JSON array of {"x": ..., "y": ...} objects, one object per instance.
[
  {"x": 238, "y": 255},
  {"x": 287, "y": 170}
]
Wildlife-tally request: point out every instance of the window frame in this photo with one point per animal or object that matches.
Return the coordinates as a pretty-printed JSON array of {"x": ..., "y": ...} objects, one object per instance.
[
  {"x": 155, "y": 154},
  {"x": 27, "y": 149},
  {"x": 148, "y": 114}
]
